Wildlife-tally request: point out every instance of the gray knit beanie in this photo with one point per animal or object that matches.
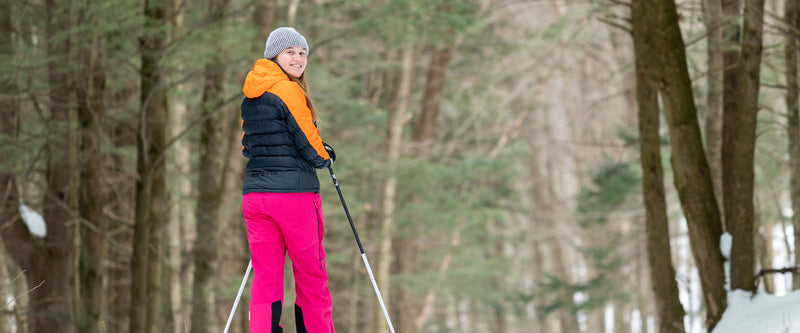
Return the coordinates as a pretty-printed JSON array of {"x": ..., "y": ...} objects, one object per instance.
[{"x": 284, "y": 38}]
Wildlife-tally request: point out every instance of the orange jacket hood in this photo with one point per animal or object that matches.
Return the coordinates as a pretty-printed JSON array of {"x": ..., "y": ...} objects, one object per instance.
[{"x": 264, "y": 75}]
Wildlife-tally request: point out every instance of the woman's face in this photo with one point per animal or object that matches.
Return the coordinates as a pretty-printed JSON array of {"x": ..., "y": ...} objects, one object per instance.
[{"x": 293, "y": 60}]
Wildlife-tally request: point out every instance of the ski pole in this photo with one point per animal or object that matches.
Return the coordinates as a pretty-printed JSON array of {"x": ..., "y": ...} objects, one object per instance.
[
  {"x": 361, "y": 248},
  {"x": 239, "y": 295}
]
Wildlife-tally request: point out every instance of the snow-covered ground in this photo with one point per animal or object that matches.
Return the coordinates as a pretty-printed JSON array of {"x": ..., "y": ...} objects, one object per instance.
[
  {"x": 763, "y": 313},
  {"x": 760, "y": 313}
]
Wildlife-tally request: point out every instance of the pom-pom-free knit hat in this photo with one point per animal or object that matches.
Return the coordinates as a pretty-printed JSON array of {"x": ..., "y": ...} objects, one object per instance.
[{"x": 284, "y": 38}]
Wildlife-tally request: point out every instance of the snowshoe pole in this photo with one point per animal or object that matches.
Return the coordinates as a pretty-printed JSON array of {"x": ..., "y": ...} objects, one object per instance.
[
  {"x": 361, "y": 249},
  {"x": 239, "y": 295}
]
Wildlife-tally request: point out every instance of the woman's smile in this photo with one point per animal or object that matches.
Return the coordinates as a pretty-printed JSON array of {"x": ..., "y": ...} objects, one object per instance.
[{"x": 293, "y": 60}]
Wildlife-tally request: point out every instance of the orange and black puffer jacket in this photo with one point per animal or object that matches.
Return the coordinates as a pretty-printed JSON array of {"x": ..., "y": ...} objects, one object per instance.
[{"x": 280, "y": 138}]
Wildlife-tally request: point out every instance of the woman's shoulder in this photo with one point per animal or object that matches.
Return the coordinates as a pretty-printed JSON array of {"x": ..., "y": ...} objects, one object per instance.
[{"x": 289, "y": 91}]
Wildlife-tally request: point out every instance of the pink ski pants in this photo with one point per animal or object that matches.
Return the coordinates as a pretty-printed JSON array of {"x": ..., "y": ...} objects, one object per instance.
[{"x": 280, "y": 223}]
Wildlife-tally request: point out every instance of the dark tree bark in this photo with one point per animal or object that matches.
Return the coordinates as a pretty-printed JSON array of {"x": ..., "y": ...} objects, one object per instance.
[
  {"x": 8, "y": 118},
  {"x": 212, "y": 150},
  {"x": 712, "y": 17},
  {"x": 730, "y": 56},
  {"x": 432, "y": 97},
  {"x": 791, "y": 38},
  {"x": 662, "y": 273},
  {"x": 264, "y": 18},
  {"x": 691, "y": 171},
  {"x": 51, "y": 302},
  {"x": 739, "y": 152},
  {"x": 406, "y": 304},
  {"x": 92, "y": 197},
  {"x": 17, "y": 240},
  {"x": 150, "y": 210}
]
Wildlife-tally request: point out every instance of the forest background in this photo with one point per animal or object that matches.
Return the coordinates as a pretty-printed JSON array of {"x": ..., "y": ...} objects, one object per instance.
[{"x": 511, "y": 166}]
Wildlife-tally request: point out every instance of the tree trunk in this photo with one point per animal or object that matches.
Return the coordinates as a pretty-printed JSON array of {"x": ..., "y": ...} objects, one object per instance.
[
  {"x": 405, "y": 302},
  {"x": 78, "y": 314},
  {"x": 567, "y": 316},
  {"x": 156, "y": 296},
  {"x": 622, "y": 322},
  {"x": 150, "y": 210},
  {"x": 739, "y": 153},
  {"x": 15, "y": 237},
  {"x": 89, "y": 91},
  {"x": 409, "y": 303},
  {"x": 644, "y": 289},
  {"x": 291, "y": 12},
  {"x": 264, "y": 18},
  {"x": 432, "y": 97},
  {"x": 430, "y": 295},
  {"x": 212, "y": 150},
  {"x": 763, "y": 251},
  {"x": 662, "y": 273},
  {"x": 395, "y": 122},
  {"x": 730, "y": 82},
  {"x": 180, "y": 217},
  {"x": 51, "y": 303},
  {"x": 692, "y": 176},
  {"x": 791, "y": 37},
  {"x": 9, "y": 200},
  {"x": 7, "y": 320},
  {"x": 544, "y": 211},
  {"x": 542, "y": 324},
  {"x": 712, "y": 14},
  {"x": 498, "y": 324}
]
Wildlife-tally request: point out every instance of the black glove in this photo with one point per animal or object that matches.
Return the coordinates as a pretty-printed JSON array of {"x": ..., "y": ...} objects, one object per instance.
[{"x": 330, "y": 151}]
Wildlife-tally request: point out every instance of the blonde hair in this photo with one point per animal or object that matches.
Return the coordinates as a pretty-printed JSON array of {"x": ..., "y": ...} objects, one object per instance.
[
  {"x": 301, "y": 81},
  {"x": 304, "y": 85}
]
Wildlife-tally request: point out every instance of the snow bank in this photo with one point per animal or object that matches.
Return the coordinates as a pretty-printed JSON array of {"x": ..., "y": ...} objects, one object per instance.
[{"x": 764, "y": 313}]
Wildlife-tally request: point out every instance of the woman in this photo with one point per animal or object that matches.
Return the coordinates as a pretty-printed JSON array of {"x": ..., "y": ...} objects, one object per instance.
[{"x": 281, "y": 202}]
